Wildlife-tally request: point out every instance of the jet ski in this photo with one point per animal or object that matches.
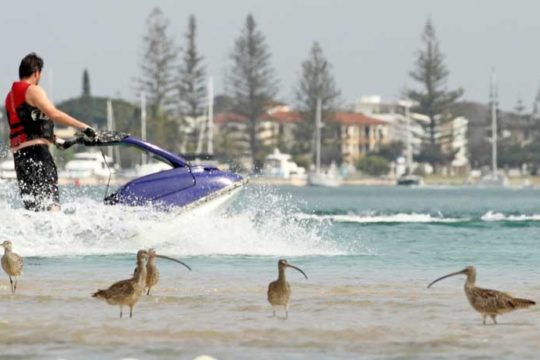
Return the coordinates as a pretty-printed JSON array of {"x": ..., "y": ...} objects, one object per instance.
[{"x": 183, "y": 186}]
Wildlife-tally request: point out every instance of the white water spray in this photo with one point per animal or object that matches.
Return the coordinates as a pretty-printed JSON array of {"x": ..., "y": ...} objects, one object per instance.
[{"x": 261, "y": 225}]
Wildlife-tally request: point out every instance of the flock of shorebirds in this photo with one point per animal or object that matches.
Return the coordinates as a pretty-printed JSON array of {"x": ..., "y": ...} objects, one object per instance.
[{"x": 146, "y": 275}]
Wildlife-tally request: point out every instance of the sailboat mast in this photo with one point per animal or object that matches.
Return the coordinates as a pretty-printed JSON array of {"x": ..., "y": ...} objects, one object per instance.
[
  {"x": 210, "y": 148},
  {"x": 143, "y": 125},
  {"x": 110, "y": 124},
  {"x": 409, "y": 143},
  {"x": 202, "y": 128},
  {"x": 494, "y": 95},
  {"x": 318, "y": 136}
]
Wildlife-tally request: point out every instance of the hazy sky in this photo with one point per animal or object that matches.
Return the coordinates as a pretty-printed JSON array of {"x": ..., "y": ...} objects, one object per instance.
[{"x": 371, "y": 44}]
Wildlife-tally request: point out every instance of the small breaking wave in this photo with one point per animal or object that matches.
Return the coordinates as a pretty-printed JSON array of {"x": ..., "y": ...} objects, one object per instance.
[
  {"x": 419, "y": 218},
  {"x": 382, "y": 219},
  {"x": 492, "y": 216}
]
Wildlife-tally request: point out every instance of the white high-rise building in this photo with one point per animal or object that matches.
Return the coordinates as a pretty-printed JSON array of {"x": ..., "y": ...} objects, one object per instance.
[{"x": 394, "y": 114}]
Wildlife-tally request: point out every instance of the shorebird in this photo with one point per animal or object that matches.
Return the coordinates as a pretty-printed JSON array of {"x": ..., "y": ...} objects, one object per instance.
[
  {"x": 12, "y": 265},
  {"x": 279, "y": 291},
  {"x": 152, "y": 272},
  {"x": 487, "y": 302},
  {"x": 127, "y": 292}
]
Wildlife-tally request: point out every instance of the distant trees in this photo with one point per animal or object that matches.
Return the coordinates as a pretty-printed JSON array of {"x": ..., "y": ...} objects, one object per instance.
[
  {"x": 252, "y": 82},
  {"x": 390, "y": 151},
  {"x": 377, "y": 163},
  {"x": 316, "y": 81},
  {"x": 519, "y": 139},
  {"x": 192, "y": 85},
  {"x": 158, "y": 80},
  {"x": 126, "y": 116},
  {"x": 374, "y": 165},
  {"x": 433, "y": 98}
]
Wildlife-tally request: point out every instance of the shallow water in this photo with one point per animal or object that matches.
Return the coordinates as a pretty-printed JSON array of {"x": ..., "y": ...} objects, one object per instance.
[{"x": 369, "y": 253}]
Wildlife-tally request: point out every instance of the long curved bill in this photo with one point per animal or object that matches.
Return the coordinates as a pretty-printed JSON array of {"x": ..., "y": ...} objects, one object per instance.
[
  {"x": 172, "y": 259},
  {"x": 447, "y": 276},
  {"x": 294, "y": 267}
]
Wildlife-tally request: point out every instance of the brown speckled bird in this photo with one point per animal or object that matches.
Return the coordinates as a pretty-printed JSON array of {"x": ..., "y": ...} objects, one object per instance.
[
  {"x": 279, "y": 291},
  {"x": 487, "y": 302},
  {"x": 12, "y": 265},
  {"x": 127, "y": 292},
  {"x": 152, "y": 271}
]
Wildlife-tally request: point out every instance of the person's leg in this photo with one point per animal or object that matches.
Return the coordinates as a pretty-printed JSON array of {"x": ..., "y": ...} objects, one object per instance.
[
  {"x": 47, "y": 186},
  {"x": 25, "y": 169},
  {"x": 38, "y": 178}
]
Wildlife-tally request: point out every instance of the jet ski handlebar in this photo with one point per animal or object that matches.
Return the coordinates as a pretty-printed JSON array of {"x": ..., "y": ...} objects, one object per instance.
[
  {"x": 110, "y": 138},
  {"x": 100, "y": 138}
]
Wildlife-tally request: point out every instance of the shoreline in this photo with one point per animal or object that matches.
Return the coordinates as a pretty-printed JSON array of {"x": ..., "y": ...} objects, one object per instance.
[
  {"x": 513, "y": 182},
  {"x": 433, "y": 180}
]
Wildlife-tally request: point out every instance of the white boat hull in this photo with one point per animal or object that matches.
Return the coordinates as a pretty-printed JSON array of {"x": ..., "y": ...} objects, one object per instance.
[
  {"x": 324, "y": 180},
  {"x": 492, "y": 180}
]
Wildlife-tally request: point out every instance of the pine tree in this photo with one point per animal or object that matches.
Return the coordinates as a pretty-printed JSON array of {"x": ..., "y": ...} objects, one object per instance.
[
  {"x": 86, "y": 101},
  {"x": 86, "y": 84},
  {"x": 316, "y": 81},
  {"x": 434, "y": 100},
  {"x": 536, "y": 106},
  {"x": 519, "y": 108},
  {"x": 157, "y": 81},
  {"x": 192, "y": 82},
  {"x": 523, "y": 120},
  {"x": 252, "y": 82},
  {"x": 535, "y": 118}
]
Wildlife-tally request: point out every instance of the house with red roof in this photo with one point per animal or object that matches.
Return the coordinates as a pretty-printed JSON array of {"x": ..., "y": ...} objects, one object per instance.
[
  {"x": 357, "y": 134},
  {"x": 275, "y": 126}
]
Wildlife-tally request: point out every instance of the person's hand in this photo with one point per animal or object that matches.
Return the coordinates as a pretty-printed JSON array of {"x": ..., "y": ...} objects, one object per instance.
[{"x": 90, "y": 132}]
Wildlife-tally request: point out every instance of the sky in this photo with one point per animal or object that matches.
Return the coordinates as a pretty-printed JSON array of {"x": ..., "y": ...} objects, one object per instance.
[{"x": 371, "y": 44}]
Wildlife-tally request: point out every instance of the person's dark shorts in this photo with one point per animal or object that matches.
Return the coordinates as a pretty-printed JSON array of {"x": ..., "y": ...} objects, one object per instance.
[{"x": 37, "y": 177}]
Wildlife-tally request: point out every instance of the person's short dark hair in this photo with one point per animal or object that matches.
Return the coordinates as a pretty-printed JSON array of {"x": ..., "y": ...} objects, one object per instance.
[{"x": 29, "y": 65}]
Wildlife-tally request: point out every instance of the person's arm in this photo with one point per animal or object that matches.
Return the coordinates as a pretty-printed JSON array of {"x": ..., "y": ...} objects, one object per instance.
[{"x": 36, "y": 96}]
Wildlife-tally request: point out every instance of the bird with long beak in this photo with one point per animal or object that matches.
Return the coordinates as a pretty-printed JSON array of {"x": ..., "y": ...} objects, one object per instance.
[
  {"x": 127, "y": 292},
  {"x": 152, "y": 272},
  {"x": 279, "y": 291},
  {"x": 487, "y": 302},
  {"x": 12, "y": 265}
]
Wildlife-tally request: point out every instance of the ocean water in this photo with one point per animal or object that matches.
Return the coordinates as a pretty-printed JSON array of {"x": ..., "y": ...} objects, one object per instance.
[{"x": 369, "y": 253}]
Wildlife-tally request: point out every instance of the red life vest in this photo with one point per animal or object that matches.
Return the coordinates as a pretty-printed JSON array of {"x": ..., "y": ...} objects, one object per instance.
[{"x": 26, "y": 122}]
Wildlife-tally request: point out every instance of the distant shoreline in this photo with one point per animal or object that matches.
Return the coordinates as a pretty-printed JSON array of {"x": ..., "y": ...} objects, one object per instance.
[{"x": 433, "y": 180}]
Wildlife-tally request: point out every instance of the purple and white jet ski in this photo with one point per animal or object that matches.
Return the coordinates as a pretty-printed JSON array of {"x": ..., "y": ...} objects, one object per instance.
[{"x": 184, "y": 186}]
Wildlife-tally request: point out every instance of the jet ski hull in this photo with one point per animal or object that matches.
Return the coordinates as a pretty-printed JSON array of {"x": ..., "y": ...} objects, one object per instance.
[
  {"x": 183, "y": 186},
  {"x": 179, "y": 187}
]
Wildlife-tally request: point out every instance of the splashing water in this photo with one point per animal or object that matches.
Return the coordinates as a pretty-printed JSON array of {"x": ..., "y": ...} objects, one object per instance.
[{"x": 261, "y": 223}]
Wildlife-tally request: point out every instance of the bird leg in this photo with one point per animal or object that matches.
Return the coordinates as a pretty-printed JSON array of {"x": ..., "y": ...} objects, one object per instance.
[
  {"x": 130, "y": 311},
  {"x": 11, "y": 284},
  {"x": 148, "y": 292},
  {"x": 15, "y": 285},
  {"x": 493, "y": 318},
  {"x": 121, "y": 307},
  {"x": 484, "y": 317},
  {"x": 286, "y": 312}
]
